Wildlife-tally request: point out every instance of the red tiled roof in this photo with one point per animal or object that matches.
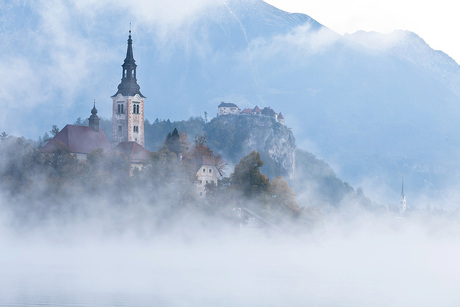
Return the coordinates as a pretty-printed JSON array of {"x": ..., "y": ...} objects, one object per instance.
[
  {"x": 135, "y": 152},
  {"x": 78, "y": 139},
  {"x": 256, "y": 109},
  {"x": 246, "y": 111}
]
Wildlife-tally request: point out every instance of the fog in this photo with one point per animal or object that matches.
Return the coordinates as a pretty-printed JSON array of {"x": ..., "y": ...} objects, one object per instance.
[{"x": 104, "y": 255}]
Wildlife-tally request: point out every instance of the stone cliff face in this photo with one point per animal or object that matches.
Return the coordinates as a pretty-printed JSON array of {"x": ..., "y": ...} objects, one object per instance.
[{"x": 235, "y": 136}]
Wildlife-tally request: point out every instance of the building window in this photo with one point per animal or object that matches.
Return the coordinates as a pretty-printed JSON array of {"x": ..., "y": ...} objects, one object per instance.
[
  {"x": 132, "y": 73},
  {"x": 120, "y": 109},
  {"x": 200, "y": 181},
  {"x": 120, "y": 128},
  {"x": 210, "y": 171},
  {"x": 136, "y": 129},
  {"x": 124, "y": 73},
  {"x": 204, "y": 170},
  {"x": 136, "y": 108},
  {"x": 206, "y": 182}
]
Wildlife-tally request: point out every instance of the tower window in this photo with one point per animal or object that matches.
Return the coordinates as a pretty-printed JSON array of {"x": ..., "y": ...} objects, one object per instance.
[
  {"x": 124, "y": 73},
  {"x": 120, "y": 109},
  {"x": 120, "y": 128},
  {"x": 132, "y": 73},
  {"x": 135, "y": 108},
  {"x": 136, "y": 129}
]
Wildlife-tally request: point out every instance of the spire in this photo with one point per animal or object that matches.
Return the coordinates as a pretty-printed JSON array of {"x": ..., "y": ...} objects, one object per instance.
[
  {"x": 128, "y": 85},
  {"x": 129, "y": 53},
  {"x": 94, "y": 110},
  {"x": 402, "y": 202},
  {"x": 94, "y": 119},
  {"x": 402, "y": 189}
]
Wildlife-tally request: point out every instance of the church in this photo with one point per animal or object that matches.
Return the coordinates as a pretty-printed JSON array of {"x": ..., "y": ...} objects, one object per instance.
[
  {"x": 127, "y": 128},
  {"x": 127, "y": 122}
]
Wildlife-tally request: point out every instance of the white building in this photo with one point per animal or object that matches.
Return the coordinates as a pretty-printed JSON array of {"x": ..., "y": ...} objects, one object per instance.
[
  {"x": 227, "y": 108},
  {"x": 206, "y": 173}
]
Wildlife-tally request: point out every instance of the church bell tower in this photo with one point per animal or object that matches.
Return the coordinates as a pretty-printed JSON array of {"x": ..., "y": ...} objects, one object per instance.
[{"x": 128, "y": 104}]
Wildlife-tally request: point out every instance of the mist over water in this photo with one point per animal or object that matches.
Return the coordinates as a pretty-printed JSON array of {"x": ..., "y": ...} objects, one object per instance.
[{"x": 102, "y": 255}]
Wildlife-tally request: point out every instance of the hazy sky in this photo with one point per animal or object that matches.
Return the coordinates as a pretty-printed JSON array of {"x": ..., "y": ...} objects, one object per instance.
[{"x": 436, "y": 22}]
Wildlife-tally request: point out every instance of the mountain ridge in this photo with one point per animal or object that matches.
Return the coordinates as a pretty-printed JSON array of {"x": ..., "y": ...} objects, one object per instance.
[{"x": 367, "y": 112}]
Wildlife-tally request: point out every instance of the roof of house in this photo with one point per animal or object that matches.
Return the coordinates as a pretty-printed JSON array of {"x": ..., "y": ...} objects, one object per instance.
[
  {"x": 135, "y": 152},
  {"x": 246, "y": 111},
  {"x": 227, "y": 105},
  {"x": 78, "y": 139},
  {"x": 256, "y": 109},
  {"x": 199, "y": 161},
  {"x": 280, "y": 116}
]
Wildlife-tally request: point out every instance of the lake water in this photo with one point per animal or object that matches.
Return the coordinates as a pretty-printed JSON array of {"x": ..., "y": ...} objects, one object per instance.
[{"x": 358, "y": 268}]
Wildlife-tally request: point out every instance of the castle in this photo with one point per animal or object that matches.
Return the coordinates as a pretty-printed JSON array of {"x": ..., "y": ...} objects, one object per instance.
[{"x": 232, "y": 109}]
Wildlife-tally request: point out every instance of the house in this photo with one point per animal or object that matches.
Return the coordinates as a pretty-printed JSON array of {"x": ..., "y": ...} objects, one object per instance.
[
  {"x": 206, "y": 173},
  {"x": 227, "y": 108},
  {"x": 135, "y": 153},
  {"x": 257, "y": 111},
  {"x": 80, "y": 140},
  {"x": 246, "y": 112},
  {"x": 267, "y": 111}
]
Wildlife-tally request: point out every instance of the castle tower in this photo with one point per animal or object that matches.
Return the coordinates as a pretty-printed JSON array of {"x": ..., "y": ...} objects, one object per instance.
[
  {"x": 128, "y": 104},
  {"x": 402, "y": 201}
]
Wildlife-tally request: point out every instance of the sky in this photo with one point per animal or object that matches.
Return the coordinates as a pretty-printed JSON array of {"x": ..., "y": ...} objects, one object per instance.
[{"x": 436, "y": 22}]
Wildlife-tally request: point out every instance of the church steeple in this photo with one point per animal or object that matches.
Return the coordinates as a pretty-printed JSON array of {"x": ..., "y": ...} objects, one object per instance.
[
  {"x": 128, "y": 104},
  {"x": 128, "y": 85},
  {"x": 402, "y": 201}
]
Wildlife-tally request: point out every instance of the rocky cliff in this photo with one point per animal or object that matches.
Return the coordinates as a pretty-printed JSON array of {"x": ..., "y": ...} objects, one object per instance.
[{"x": 235, "y": 136}]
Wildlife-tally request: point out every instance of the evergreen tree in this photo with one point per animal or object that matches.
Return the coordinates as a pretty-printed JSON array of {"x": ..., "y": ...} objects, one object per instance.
[{"x": 247, "y": 177}]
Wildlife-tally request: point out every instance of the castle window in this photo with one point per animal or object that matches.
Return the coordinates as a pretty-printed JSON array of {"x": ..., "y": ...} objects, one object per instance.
[
  {"x": 135, "y": 128},
  {"x": 132, "y": 73},
  {"x": 124, "y": 73},
  {"x": 200, "y": 181},
  {"x": 210, "y": 171},
  {"x": 204, "y": 170}
]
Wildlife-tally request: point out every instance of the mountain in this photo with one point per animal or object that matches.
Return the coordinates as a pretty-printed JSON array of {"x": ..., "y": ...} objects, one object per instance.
[{"x": 377, "y": 107}]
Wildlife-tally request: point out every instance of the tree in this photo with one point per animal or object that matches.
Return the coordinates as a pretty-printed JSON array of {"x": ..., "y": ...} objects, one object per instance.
[
  {"x": 247, "y": 177},
  {"x": 172, "y": 143},
  {"x": 3, "y": 136},
  {"x": 54, "y": 130},
  {"x": 282, "y": 196},
  {"x": 201, "y": 149}
]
